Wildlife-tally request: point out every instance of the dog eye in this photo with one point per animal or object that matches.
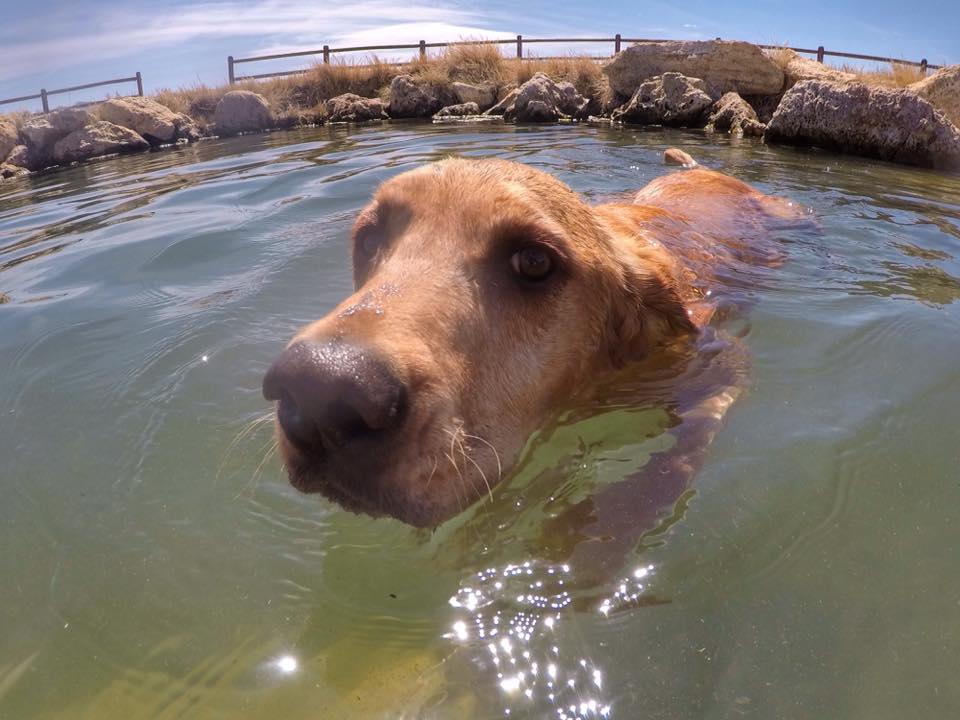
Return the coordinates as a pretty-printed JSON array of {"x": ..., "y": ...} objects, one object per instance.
[
  {"x": 369, "y": 244},
  {"x": 532, "y": 263}
]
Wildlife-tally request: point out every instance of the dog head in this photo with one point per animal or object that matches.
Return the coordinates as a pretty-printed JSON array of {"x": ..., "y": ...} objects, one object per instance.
[{"x": 487, "y": 294}]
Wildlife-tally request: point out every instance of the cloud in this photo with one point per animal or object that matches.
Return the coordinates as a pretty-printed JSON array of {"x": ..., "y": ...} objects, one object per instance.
[
  {"x": 398, "y": 34},
  {"x": 115, "y": 33}
]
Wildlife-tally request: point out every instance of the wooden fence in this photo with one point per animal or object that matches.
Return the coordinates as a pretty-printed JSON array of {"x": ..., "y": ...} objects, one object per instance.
[
  {"x": 45, "y": 94},
  {"x": 519, "y": 42}
]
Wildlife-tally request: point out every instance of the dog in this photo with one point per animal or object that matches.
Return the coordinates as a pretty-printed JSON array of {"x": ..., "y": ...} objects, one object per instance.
[{"x": 488, "y": 294}]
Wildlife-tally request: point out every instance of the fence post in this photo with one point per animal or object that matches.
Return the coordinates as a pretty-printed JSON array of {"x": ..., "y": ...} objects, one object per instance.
[
  {"x": 423, "y": 49},
  {"x": 43, "y": 99},
  {"x": 820, "y": 52},
  {"x": 230, "y": 68},
  {"x": 139, "y": 84},
  {"x": 923, "y": 66},
  {"x": 326, "y": 54},
  {"x": 519, "y": 47},
  {"x": 616, "y": 44}
]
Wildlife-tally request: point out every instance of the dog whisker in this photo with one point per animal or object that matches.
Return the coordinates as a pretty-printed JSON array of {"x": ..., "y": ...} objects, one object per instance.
[
  {"x": 248, "y": 429},
  {"x": 462, "y": 481},
  {"x": 495, "y": 453}
]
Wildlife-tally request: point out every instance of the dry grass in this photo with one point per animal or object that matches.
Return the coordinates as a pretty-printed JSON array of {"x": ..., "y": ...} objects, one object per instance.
[
  {"x": 781, "y": 56},
  {"x": 18, "y": 117},
  {"x": 474, "y": 63},
  {"x": 898, "y": 76},
  {"x": 197, "y": 101}
]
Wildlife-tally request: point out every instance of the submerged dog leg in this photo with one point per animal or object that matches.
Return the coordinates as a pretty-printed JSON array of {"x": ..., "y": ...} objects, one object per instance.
[{"x": 601, "y": 532}]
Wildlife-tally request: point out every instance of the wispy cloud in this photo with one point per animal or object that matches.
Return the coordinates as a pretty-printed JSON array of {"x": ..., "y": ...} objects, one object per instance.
[
  {"x": 399, "y": 34},
  {"x": 254, "y": 25}
]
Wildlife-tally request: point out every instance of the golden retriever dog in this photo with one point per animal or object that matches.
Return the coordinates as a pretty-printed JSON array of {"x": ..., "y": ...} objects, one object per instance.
[{"x": 488, "y": 295}]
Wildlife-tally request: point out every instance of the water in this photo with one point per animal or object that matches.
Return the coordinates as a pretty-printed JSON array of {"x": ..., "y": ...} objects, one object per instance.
[{"x": 156, "y": 564}]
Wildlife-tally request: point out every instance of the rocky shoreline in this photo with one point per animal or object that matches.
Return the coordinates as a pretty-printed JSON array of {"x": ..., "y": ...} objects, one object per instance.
[{"x": 720, "y": 86}]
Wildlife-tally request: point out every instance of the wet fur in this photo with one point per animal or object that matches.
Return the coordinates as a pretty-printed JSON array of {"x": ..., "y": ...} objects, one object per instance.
[{"x": 487, "y": 361}]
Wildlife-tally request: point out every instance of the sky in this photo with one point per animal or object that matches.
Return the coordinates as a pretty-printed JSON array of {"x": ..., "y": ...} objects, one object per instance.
[{"x": 176, "y": 43}]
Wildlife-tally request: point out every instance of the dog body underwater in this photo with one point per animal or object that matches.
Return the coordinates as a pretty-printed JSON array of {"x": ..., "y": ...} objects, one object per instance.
[{"x": 488, "y": 294}]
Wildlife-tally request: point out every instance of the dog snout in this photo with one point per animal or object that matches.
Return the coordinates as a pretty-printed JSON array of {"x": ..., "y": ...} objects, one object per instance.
[{"x": 332, "y": 394}]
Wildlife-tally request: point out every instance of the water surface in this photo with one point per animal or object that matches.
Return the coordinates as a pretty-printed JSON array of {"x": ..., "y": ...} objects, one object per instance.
[{"x": 156, "y": 564}]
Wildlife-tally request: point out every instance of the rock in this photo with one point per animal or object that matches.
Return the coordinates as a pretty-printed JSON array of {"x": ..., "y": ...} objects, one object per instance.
[
  {"x": 101, "y": 138},
  {"x": 671, "y": 99},
  {"x": 8, "y": 138},
  {"x": 799, "y": 68},
  {"x": 353, "y": 108},
  {"x": 4, "y": 298},
  {"x": 724, "y": 65},
  {"x": 676, "y": 156},
  {"x": 888, "y": 124},
  {"x": 10, "y": 171},
  {"x": 410, "y": 98},
  {"x": 501, "y": 107},
  {"x": 242, "y": 111},
  {"x": 540, "y": 99},
  {"x": 71, "y": 119},
  {"x": 156, "y": 123},
  {"x": 485, "y": 95},
  {"x": 942, "y": 90},
  {"x": 763, "y": 105},
  {"x": 20, "y": 156},
  {"x": 461, "y": 110},
  {"x": 41, "y": 133},
  {"x": 732, "y": 114}
]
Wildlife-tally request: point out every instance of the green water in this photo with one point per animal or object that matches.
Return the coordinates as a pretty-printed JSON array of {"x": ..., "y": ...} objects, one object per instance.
[{"x": 155, "y": 564}]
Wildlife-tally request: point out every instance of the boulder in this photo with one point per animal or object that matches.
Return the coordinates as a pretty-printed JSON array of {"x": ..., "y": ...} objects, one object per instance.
[
  {"x": 670, "y": 99},
  {"x": 156, "y": 123},
  {"x": 724, "y": 65},
  {"x": 461, "y": 110},
  {"x": 763, "y": 105},
  {"x": 540, "y": 99},
  {"x": 9, "y": 171},
  {"x": 40, "y": 133},
  {"x": 501, "y": 107},
  {"x": 70, "y": 119},
  {"x": 896, "y": 125},
  {"x": 733, "y": 114},
  {"x": 353, "y": 108},
  {"x": 485, "y": 95},
  {"x": 101, "y": 138},
  {"x": 242, "y": 111},
  {"x": 942, "y": 90},
  {"x": 412, "y": 98},
  {"x": 8, "y": 138},
  {"x": 798, "y": 68},
  {"x": 20, "y": 156}
]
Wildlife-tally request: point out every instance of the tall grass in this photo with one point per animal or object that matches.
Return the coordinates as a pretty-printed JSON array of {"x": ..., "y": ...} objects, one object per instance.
[{"x": 898, "y": 75}]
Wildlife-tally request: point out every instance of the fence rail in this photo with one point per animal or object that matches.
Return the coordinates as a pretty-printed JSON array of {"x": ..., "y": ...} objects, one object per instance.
[
  {"x": 326, "y": 51},
  {"x": 44, "y": 94}
]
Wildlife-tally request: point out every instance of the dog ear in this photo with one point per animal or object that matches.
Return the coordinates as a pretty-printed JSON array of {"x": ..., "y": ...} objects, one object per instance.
[{"x": 646, "y": 310}]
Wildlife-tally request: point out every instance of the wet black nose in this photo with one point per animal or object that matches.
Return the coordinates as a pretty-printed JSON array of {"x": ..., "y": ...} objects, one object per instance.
[{"x": 333, "y": 393}]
